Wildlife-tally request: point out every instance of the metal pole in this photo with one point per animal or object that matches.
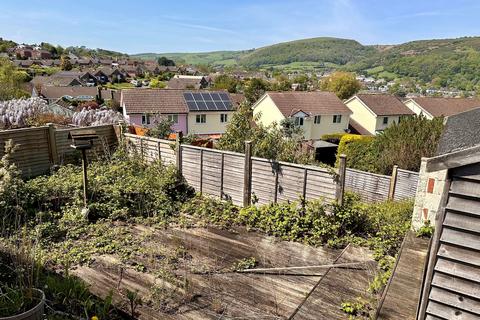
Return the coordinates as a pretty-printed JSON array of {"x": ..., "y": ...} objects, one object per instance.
[{"x": 85, "y": 179}]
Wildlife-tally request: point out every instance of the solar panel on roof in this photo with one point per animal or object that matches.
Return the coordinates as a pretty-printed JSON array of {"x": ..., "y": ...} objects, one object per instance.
[
  {"x": 192, "y": 105},
  {"x": 207, "y": 101},
  {"x": 202, "y": 106},
  {"x": 188, "y": 96},
  {"x": 197, "y": 96}
]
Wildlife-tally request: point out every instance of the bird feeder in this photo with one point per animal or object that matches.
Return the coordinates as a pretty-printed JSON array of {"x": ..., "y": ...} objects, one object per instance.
[{"x": 83, "y": 140}]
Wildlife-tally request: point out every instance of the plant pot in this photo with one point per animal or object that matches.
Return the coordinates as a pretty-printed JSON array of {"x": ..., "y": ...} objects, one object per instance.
[{"x": 36, "y": 313}]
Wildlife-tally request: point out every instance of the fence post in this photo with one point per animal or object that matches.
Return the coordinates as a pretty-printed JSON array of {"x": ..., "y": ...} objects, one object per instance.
[
  {"x": 52, "y": 143},
  {"x": 222, "y": 169},
  {"x": 393, "y": 183},
  {"x": 342, "y": 167},
  {"x": 247, "y": 175},
  {"x": 178, "y": 152},
  {"x": 201, "y": 171},
  {"x": 141, "y": 148}
]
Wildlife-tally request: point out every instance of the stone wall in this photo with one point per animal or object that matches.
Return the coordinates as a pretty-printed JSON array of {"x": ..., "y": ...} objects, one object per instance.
[{"x": 429, "y": 194}]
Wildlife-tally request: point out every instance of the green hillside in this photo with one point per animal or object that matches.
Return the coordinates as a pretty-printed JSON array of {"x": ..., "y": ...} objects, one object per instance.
[
  {"x": 442, "y": 63},
  {"x": 320, "y": 50},
  {"x": 215, "y": 58}
]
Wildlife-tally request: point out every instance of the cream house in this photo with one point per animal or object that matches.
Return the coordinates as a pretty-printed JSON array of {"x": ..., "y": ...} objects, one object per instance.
[
  {"x": 317, "y": 112},
  {"x": 373, "y": 113},
  {"x": 431, "y": 107}
]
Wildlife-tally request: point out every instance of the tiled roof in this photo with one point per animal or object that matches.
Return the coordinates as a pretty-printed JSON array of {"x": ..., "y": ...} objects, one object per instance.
[
  {"x": 312, "y": 103},
  {"x": 446, "y": 106},
  {"x": 384, "y": 104},
  {"x": 237, "y": 98},
  {"x": 153, "y": 101},
  {"x": 53, "y": 92},
  {"x": 184, "y": 83}
]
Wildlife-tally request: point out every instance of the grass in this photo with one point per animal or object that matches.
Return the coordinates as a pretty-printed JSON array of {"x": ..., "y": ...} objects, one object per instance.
[{"x": 119, "y": 86}]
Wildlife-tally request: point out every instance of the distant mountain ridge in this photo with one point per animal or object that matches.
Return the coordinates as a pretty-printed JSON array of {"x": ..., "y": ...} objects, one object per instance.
[{"x": 443, "y": 62}]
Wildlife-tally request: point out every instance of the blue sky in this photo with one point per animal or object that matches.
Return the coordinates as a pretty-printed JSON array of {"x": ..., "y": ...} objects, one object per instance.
[{"x": 137, "y": 26}]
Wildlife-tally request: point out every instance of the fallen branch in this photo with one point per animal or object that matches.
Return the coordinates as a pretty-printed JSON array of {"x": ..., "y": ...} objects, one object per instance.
[{"x": 347, "y": 265}]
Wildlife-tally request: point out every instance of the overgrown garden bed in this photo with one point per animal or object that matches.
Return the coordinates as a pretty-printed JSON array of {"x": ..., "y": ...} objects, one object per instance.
[{"x": 142, "y": 236}]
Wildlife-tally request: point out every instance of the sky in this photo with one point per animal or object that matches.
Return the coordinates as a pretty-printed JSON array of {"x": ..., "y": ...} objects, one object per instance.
[{"x": 139, "y": 26}]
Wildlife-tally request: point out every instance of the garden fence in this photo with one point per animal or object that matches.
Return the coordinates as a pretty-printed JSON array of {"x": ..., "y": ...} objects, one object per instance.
[
  {"x": 228, "y": 175},
  {"x": 37, "y": 149},
  {"x": 245, "y": 179}
]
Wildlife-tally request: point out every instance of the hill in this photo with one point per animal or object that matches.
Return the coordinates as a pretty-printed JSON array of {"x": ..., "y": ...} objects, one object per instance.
[
  {"x": 323, "y": 50},
  {"x": 215, "y": 58}
]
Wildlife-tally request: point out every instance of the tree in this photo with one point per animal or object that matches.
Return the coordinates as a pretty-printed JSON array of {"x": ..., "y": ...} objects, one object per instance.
[
  {"x": 226, "y": 82},
  {"x": 402, "y": 144},
  {"x": 155, "y": 83},
  {"x": 254, "y": 89},
  {"x": 344, "y": 84},
  {"x": 270, "y": 142},
  {"x": 164, "y": 61},
  {"x": 161, "y": 129},
  {"x": 11, "y": 80},
  {"x": 65, "y": 63}
]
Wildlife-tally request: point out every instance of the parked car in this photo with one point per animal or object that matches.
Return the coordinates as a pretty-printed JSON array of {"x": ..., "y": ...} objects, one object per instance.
[
  {"x": 136, "y": 83},
  {"x": 146, "y": 83}
]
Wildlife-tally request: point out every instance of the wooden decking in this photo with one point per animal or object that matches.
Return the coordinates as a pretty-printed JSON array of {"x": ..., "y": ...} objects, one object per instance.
[
  {"x": 402, "y": 295},
  {"x": 217, "y": 293}
]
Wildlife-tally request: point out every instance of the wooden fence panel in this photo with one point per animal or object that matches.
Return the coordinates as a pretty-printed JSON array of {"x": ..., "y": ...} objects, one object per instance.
[
  {"x": 290, "y": 182},
  {"x": 370, "y": 186},
  {"x": 151, "y": 149},
  {"x": 264, "y": 174},
  {"x": 191, "y": 166},
  {"x": 212, "y": 173},
  {"x": 32, "y": 155},
  {"x": 406, "y": 186},
  {"x": 104, "y": 144},
  {"x": 320, "y": 184},
  {"x": 233, "y": 177}
]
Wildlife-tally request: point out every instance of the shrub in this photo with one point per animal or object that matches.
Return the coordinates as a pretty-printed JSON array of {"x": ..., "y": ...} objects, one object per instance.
[
  {"x": 359, "y": 151},
  {"x": 118, "y": 188}
]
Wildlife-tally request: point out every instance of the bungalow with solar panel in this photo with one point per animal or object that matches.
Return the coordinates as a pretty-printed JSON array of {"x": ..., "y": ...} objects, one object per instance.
[
  {"x": 203, "y": 113},
  {"x": 316, "y": 113}
]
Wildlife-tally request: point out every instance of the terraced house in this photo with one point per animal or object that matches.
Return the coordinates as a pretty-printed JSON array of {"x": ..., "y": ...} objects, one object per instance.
[
  {"x": 373, "y": 113},
  {"x": 316, "y": 113},
  {"x": 204, "y": 113}
]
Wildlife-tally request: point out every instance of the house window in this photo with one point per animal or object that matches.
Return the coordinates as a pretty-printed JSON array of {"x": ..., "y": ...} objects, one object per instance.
[
  {"x": 145, "y": 118},
  {"x": 173, "y": 118},
  {"x": 337, "y": 118},
  {"x": 201, "y": 118},
  {"x": 223, "y": 117},
  {"x": 317, "y": 119},
  {"x": 299, "y": 121},
  {"x": 385, "y": 120}
]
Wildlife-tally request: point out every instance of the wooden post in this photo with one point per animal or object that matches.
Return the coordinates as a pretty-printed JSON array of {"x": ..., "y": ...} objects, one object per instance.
[
  {"x": 141, "y": 148},
  {"x": 201, "y": 171},
  {"x": 178, "y": 151},
  {"x": 221, "y": 175},
  {"x": 342, "y": 168},
  {"x": 159, "y": 149},
  {"x": 304, "y": 191},
  {"x": 52, "y": 143},
  {"x": 85, "y": 178},
  {"x": 277, "y": 168},
  {"x": 393, "y": 183},
  {"x": 247, "y": 175}
]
